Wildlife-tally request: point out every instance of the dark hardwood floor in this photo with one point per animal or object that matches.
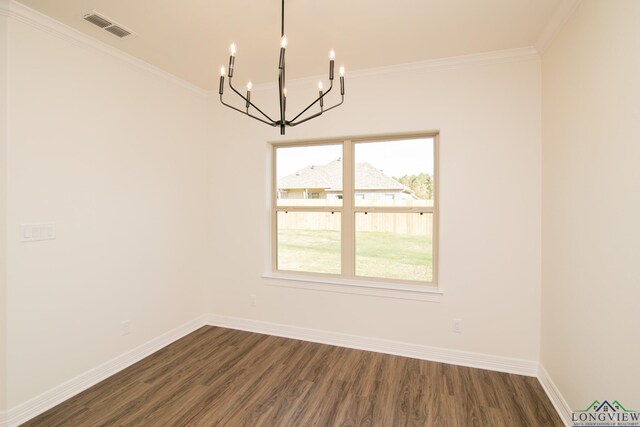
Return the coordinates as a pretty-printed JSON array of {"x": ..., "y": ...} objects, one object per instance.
[{"x": 224, "y": 377}]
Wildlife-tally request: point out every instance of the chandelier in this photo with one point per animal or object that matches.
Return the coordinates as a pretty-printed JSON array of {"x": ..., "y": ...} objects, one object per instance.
[{"x": 249, "y": 106}]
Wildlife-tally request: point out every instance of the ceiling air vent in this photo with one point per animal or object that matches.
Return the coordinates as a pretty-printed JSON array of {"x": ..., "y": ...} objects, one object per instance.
[
  {"x": 106, "y": 24},
  {"x": 118, "y": 31},
  {"x": 96, "y": 19}
]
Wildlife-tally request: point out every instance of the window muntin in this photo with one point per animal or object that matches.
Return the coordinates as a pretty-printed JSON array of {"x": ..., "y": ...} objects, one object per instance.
[{"x": 355, "y": 250}]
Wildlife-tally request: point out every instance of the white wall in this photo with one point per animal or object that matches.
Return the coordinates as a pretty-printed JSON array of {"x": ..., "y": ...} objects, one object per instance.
[
  {"x": 3, "y": 176},
  {"x": 489, "y": 119},
  {"x": 138, "y": 172},
  {"x": 591, "y": 205},
  {"x": 118, "y": 158}
]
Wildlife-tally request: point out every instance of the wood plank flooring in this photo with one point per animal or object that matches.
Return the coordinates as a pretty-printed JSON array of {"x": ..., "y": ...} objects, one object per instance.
[{"x": 224, "y": 377}]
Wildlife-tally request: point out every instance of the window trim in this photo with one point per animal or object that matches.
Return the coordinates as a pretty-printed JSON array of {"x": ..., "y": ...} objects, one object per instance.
[
  {"x": 351, "y": 283},
  {"x": 318, "y": 282}
]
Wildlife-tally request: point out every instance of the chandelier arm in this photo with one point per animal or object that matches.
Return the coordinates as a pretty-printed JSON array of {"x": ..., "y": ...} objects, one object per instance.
[
  {"x": 247, "y": 114},
  {"x": 282, "y": 31},
  {"x": 313, "y": 116},
  {"x": 249, "y": 102},
  {"x": 314, "y": 102},
  {"x": 291, "y": 123},
  {"x": 337, "y": 105}
]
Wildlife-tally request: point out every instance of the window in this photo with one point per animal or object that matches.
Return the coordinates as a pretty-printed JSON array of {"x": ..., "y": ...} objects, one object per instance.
[{"x": 359, "y": 209}]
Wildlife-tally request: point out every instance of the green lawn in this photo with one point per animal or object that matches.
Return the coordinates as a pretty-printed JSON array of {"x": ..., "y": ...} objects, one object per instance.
[{"x": 389, "y": 255}]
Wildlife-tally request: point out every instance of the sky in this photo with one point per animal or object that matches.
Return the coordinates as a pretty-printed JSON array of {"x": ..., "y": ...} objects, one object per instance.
[{"x": 394, "y": 158}]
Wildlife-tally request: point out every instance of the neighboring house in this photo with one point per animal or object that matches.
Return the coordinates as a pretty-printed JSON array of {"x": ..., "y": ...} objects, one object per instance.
[{"x": 325, "y": 182}]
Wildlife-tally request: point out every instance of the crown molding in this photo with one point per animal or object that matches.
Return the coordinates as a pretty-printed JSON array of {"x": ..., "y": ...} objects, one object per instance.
[
  {"x": 563, "y": 13},
  {"x": 452, "y": 62},
  {"x": 40, "y": 21},
  {"x": 22, "y": 13},
  {"x": 493, "y": 57}
]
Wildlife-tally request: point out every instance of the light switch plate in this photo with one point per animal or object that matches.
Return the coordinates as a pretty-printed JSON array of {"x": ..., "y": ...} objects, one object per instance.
[{"x": 38, "y": 231}]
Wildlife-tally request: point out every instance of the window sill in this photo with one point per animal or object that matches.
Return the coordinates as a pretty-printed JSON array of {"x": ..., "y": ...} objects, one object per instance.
[{"x": 358, "y": 287}]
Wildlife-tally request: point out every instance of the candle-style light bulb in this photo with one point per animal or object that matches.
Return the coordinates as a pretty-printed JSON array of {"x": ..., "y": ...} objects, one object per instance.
[
  {"x": 284, "y": 100},
  {"x": 221, "y": 89},
  {"x": 320, "y": 93},
  {"x": 320, "y": 85},
  {"x": 332, "y": 55},
  {"x": 232, "y": 59},
  {"x": 341, "y": 71},
  {"x": 249, "y": 86},
  {"x": 283, "y": 45}
]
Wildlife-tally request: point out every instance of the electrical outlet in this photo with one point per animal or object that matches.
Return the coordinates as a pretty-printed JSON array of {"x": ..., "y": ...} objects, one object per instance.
[
  {"x": 253, "y": 300},
  {"x": 125, "y": 327},
  {"x": 457, "y": 326}
]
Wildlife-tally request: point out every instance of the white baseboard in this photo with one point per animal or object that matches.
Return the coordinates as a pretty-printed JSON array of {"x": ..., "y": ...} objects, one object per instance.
[
  {"x": 417, "y": 351},
  {"x": 561, "y": 405},
  {"x": 59, "y": 394},
  {"x": 436, "y": 354}
]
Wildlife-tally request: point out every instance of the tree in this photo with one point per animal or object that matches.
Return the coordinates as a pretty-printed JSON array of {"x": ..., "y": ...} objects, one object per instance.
[{"x": 421, "y": 184}]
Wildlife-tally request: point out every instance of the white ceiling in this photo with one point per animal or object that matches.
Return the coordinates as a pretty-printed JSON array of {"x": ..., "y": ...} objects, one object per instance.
[{"x": 190, "y": 38}]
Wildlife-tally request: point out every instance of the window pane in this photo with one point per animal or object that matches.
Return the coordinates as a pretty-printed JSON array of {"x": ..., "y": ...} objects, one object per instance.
[
  {"x": 309, "y": 176},
  {"x": 394, "y": 173},
  {"x": 395, "y": 246},
  {"x": 309, "y": 241}
]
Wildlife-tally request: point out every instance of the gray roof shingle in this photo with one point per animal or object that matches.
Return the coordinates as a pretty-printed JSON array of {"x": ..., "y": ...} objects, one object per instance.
[{"x": 329, "y": 178}]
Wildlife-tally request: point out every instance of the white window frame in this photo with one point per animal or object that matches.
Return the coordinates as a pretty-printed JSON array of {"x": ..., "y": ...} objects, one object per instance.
[{"x": 348, "y": 282}]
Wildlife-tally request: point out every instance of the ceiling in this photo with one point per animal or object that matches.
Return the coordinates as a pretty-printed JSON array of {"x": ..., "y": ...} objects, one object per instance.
[{"x": 190, "y": 38}]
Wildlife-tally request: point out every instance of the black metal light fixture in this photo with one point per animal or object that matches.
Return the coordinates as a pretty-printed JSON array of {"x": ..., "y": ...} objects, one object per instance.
[{"x": 282, "y": 89}]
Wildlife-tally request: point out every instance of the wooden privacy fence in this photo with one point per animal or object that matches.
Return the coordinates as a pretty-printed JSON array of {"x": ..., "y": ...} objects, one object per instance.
[{"x": 402, "y": 223}]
